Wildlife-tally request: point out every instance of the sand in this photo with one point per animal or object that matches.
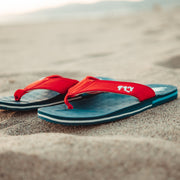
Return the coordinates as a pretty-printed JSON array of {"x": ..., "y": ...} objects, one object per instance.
[{"x": 142, "y": 48}]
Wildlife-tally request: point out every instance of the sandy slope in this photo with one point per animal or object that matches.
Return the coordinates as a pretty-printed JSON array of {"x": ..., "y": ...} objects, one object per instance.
[{"x": 143, "y": 48}]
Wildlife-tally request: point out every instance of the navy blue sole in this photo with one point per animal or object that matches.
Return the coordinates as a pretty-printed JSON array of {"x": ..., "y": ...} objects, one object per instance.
[
  {"x": 126, "y": 112},
  {"x": 34, "y": 106}
]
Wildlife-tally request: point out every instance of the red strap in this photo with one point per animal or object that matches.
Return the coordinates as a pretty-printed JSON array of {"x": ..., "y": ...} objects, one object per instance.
[
  {"x": 54, "y": 82},
  {"x": 91, "y": 84}
]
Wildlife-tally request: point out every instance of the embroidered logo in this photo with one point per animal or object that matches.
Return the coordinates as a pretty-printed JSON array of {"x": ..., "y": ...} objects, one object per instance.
[{"x": 127, "y": 89}]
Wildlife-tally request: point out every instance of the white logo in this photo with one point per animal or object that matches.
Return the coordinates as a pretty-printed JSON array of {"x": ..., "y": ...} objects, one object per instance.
[
  {"x": 127, "y": 89},
  {"x": 158, "y": 89}
]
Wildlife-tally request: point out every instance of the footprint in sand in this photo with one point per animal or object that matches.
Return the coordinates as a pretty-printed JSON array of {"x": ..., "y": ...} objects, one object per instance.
[{"x": 173, "y": 62}]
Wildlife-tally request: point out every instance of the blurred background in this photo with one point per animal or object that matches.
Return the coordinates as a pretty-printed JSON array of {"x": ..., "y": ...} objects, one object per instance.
[
  {"x": 44, "y": 10},
  {"x": 75, "y": 38}
]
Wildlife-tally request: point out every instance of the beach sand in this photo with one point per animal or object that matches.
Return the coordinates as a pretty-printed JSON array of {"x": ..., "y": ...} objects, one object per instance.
[{"x": 143, "y": 48}]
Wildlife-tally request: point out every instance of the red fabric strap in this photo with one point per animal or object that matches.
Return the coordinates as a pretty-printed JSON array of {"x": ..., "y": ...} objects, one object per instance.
[
  {"x": 54, "y": 82},
  {"x": 92, "y": 85}
]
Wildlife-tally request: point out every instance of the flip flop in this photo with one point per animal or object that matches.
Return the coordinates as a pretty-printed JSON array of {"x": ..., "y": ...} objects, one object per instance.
[
  {"x": 119, "y": 100},
  {"x": 48, "y": 91}
]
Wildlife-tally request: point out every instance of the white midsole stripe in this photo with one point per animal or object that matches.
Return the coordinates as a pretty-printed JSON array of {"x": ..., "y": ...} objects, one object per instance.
[{"x": 93, "y": 120}]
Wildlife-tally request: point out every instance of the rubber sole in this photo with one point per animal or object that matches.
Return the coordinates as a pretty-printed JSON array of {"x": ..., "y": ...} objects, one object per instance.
[{"x": 127, "y": 112}]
